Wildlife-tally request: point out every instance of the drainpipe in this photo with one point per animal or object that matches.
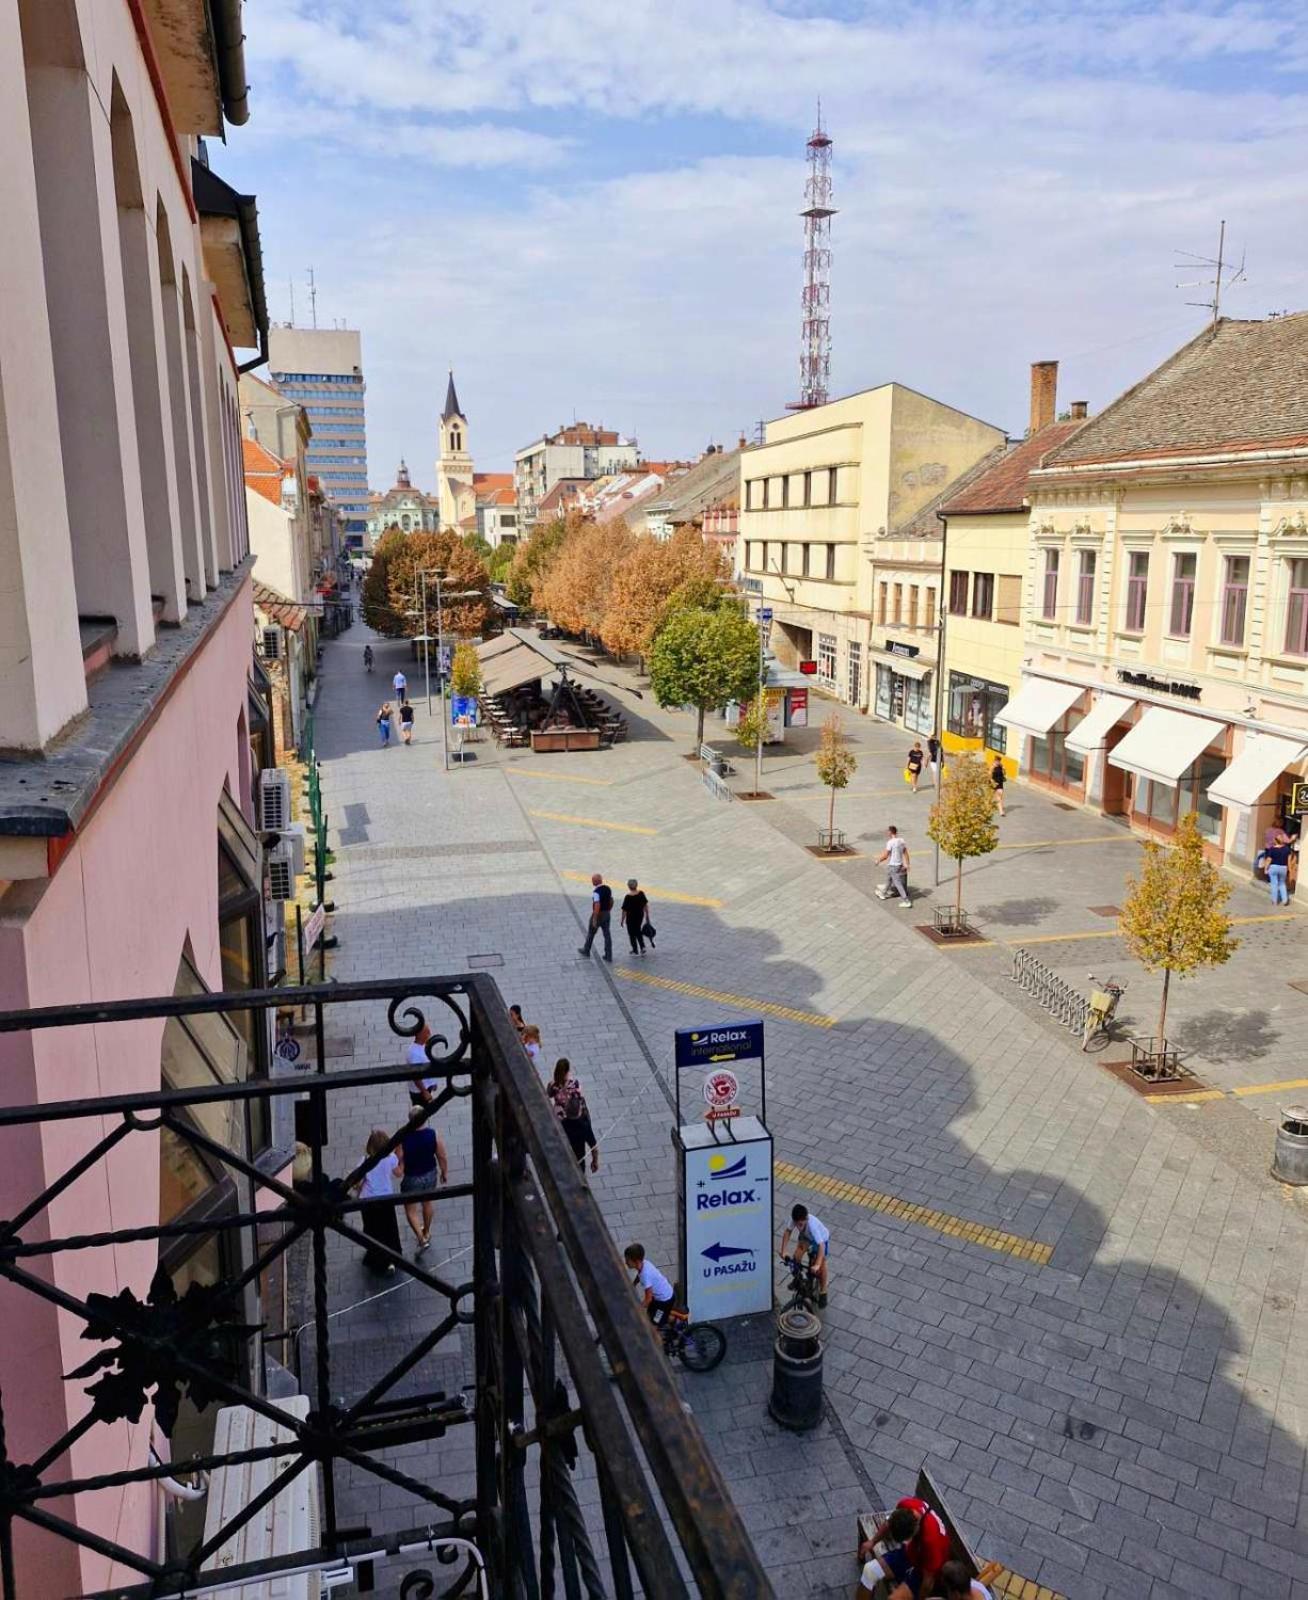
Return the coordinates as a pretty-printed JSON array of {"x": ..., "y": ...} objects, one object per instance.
[{"x": 229, "y": 42}]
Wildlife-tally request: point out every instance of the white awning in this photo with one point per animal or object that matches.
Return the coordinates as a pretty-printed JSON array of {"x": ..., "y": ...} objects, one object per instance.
[
  {"x": 1258, "y": 766},
  {"x": 1164, "y": 744},
  {"x": 1091, "y": 731},
  {"x": 1038, "y": 704},
  {"x": 905, "y": 666}
]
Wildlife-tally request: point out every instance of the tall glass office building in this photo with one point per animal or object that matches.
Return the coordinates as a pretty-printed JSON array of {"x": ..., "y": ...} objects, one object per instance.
[{"x": 322, "y": 369}]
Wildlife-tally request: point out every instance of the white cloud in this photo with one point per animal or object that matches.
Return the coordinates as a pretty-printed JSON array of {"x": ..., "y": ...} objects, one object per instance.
[{"x": 1012, "y": 180}]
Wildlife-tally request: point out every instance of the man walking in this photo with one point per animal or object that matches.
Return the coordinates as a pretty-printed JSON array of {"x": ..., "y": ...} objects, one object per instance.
[
  {"x": 400, "y": 684},
  {"x": 895, "y": 857},
  {"x": 601, "y": 910}
]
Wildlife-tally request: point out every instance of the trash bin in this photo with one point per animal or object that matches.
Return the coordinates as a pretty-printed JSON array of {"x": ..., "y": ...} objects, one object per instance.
[
  {"x": 796, "y": 1400},
  {"x": 1290, "y": 1157}
]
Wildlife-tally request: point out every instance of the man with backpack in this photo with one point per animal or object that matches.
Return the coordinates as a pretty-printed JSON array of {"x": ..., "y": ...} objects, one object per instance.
[{"x": 601, "y": 910}]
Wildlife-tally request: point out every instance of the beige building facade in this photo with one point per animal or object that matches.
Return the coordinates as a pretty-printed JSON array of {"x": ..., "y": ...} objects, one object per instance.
[
  {"x": 826, "y": 504},
  {"x": 1166, "y": 598}
]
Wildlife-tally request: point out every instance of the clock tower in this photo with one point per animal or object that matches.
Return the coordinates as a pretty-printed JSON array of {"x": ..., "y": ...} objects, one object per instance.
[{"x": 458, "y": 500}]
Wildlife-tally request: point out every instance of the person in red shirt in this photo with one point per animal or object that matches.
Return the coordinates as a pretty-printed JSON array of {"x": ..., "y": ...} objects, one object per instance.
[{"x": 911, "y": 1568}]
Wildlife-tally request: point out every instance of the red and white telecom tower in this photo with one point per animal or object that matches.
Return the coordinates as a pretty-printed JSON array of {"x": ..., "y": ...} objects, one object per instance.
[{"x": 815, "y": 341}]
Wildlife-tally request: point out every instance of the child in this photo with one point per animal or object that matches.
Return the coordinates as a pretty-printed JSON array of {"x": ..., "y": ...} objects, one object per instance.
[
  {"x": 812, "y": 1238},
  {"x": 531, "y": 1041},
  {"x": 656, "y": 1291}
]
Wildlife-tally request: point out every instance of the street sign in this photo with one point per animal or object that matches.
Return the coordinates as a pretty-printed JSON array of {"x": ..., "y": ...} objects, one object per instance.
[
  {"x": 313, "y": 927},
  {"x": 765, "y": 614},
  {"x": 726, "y": 1243},
  {"x": 707, "y": 1047}
]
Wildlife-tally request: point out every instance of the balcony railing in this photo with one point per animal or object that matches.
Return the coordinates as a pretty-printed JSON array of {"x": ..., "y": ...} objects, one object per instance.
[{"x": 568, "y": 1378}]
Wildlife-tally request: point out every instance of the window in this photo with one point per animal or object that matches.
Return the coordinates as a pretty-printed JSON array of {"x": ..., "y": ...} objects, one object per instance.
[
  {"x": 983, "y": 594},
  {"x": 974, "y": 703},
  {"x": 785, "y": 492},
  {"x": 826, "y": 658},
  {"x": 785, "y": 557},
  {"x": 885, "y": 692},
  {"x": 958, "y": 594},
  {"x": 751, "y": 495},
  {"x": 912, "y": 606},
  {"x": 918, "y": 708},
  {"x": 897, "y": 614},
  {"x": 1008, "y": 605},
  {"x": 1085, "y": 588},
  {"x": 1296, "y": 611},
  {"x": 882, "y": 603},
  {"x": 855, "y": 673},
  {"x": 1049, "y": 596},
  {"x": 1137, "y": 590},
  {"x": 930, "y": 619},
  {"x": 763, "y": 560},
  {"x": 808, "y": 488},
  {"x": 751, "y": 556},
  {"x": 1183, "y": 575},
  {"x": 807, "y": 553},
  {"x": 831, "y": 563},
  {"x": 831, "y": 486},
  {"x": 1235, "y": 598},
  {"x": 767, "y": 493}
]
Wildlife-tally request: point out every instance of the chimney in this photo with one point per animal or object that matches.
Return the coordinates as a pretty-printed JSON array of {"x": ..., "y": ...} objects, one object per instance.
[
  {"x": 1044, "y": 394},
  {"x": 741, "y": 445},
  {"x": 1080, "y": 410}
]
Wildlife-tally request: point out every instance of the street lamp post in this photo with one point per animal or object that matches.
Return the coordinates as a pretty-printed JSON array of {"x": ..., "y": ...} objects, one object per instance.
[{"x": 942, "y": 611}]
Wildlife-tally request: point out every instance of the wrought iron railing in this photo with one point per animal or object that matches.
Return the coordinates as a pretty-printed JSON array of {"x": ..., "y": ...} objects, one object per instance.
[{"x": 565, "y": 1364}]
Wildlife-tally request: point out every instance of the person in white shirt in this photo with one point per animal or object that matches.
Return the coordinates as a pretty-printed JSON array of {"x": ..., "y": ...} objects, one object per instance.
[
  {"x": 656, "y": 1291},
  {"x": 423, "y": 1091},
  {"x": 812, "y": 1238},
  {"x": 895, "y": 855},
  {"x": 378, "y": 1219}
]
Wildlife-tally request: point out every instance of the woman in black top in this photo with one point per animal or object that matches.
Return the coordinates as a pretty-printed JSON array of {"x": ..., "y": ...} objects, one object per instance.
[
  {"x": 915, "y": 760},
  {"x": 998, "y": 778},
  {"x": 635, "y": 907},
  {"x": 406, "y": 722},
  {"x": 419, "y": 1152}
]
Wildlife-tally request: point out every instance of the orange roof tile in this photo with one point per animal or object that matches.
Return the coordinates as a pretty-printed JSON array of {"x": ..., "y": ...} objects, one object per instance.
[{"x": 263, "y": 470}]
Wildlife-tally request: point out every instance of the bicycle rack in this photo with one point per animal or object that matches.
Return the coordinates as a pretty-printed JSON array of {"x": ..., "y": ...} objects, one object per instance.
[{"x": 1050, "y": 991}]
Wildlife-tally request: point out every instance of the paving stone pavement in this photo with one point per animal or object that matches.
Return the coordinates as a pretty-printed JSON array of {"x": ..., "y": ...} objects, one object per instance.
[{"x": 1129, "y": 1420}]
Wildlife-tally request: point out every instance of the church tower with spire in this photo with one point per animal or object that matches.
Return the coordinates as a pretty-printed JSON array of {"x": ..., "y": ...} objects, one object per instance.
[{"x": 454, "y": 478}]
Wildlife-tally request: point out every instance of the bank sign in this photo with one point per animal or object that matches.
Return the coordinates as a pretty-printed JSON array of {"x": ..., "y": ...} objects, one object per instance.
[{"x": 728, "y": 1220}]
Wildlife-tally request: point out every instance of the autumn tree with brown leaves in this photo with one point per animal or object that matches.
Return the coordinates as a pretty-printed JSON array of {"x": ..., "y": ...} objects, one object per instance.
[
  {"x": 644, "y": 585},
  {"x": 392, "y": 592},
  {"x": 575, "y": 592}
]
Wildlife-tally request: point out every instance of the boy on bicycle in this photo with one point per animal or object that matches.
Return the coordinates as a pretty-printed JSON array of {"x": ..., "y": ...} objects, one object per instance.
[
  {"x": 656, "y": 1291},
  {"x": 812, "y": 1238}
]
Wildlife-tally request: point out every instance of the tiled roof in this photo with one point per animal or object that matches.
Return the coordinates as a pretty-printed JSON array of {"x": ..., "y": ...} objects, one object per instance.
[
  {"x": 485, "y": 482},
  {"x": 1001, "y": 485},
  {"x": 263, "y": 470},
  {"x": 924, "y": 523},
  {"x": 564, "y": 493},
  {"x": 708, "y": 481},
  {"x": 1240, "y": 386},
  {"x": 278, "y": 607}
]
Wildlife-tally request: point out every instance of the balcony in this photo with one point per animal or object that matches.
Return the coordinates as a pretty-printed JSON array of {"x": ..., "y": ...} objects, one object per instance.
[{"x": 568, "y": 1382}]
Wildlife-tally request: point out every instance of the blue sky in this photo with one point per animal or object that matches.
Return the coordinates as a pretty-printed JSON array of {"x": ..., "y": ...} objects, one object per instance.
[{"x": 592, "y": 209}]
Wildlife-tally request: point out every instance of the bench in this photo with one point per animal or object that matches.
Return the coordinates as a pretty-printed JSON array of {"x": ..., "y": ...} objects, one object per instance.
[
  {"x": 717, "y": 761},
  {"x": 986, "y": 1572}
]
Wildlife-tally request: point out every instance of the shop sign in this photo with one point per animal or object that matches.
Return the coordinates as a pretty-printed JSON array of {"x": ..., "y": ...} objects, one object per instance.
[
  {"x": 1298, "y": 799},
  {"x": 808, "y": 669},
  {"x": 798, "y": 708},
  {"x": 897, "y": 647},
  {"x": 1144, "y": 680},
  {"x": 721, "y": 1092}
]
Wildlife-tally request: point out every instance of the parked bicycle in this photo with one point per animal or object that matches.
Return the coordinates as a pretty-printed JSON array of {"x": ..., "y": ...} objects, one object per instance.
[
  {"x": 1104, "y": 996},
  {"x": 804, "y": 1287},
  {"x": 697, "y": 1345}
]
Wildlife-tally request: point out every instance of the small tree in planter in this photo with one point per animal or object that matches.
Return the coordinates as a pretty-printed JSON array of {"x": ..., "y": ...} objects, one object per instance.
[
  {"x": 962, "y": 820},
  {"x": 1173, "y": 918},
  {"x": 836, "y": 765},
  {"x": 465, "y": 671},
  {"x": 752, "y": 732}
]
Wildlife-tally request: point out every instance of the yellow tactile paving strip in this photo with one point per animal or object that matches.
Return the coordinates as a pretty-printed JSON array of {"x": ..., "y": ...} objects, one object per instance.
[
  {"x": 558, "y": 777},
  {"x": 1011, "y": 1587},
  {"x": 654, "y": 893},
  {"x": 1009, "y": 1244},
  {"x": 1200, "y": 1096},
  {"x": 591, "y": 822},
  {"x": 737, "y": 1002}
]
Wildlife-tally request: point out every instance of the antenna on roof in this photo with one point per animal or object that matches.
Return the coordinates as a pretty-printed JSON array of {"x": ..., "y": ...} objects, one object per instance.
[
  {"x": 291, "y": 282},
  {"x": 313, "y": 298},
  {"x": 1224, "y": 277}
]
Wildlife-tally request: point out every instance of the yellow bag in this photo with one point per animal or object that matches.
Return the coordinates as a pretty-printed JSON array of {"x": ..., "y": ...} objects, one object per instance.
[{"x": 908, "y": 774}]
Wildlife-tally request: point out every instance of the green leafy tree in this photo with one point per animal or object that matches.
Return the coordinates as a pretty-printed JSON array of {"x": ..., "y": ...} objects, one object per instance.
[
  {"x": 474, "y": 541},
  {"x": 835, "y": 761},
  {"x": 465, "y": 670},
  {"x": 704, "y": 659},
  {"x": 1173, "y": 918},
  {"x": 499, "y": 562},
  {"x": 752, "y": 729},
  {"x": 962, "y": 821},
  {"x": 698, "y": 593}
]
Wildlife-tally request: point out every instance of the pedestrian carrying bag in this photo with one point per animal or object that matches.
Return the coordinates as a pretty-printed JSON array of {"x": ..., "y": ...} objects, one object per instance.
[
  {"x": 649, "y": 931},
  {"x": 908, "y": 774}
]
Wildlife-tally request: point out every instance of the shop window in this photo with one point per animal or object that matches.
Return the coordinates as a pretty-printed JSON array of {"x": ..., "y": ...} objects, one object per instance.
[
  {"x": 1208, "y": 813},
  {"x": 958, "y": 594},
  {"x": 1181, "y": 620},
  {"x": 1137, "y": 590},
  {"x": 1296, "y": 611},
  {"x": 1085, "y": 587},
  {"x": 198, "y": 1052},
  {"x": 1235, "y": 598},
  {"x": 1052, "y": 760},
  {"x": 918, "y": 708},
  {"x": 983, "y": 594},
  {"x": 826, "y": 658},
  {"x": 1008, "y": 603},
  {"x": 1049, "y": 589},
  {"x": 882, "y": 602},
  {"x": 831, "y": 563},
  {"x": 973, "y": 705}
]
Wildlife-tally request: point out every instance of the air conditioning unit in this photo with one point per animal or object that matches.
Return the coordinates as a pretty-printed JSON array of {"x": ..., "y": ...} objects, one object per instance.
[
  {"x": 290, "y": 1524},
  {"x": 281, "y": 872},
  {"x": 271, "y": 647},
  {"x": 294, "y": 838},
  {"x": 274, "y": 800}
]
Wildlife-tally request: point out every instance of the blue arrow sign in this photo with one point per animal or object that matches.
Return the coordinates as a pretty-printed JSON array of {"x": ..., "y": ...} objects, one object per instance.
[{"x": 717, "y": 1252}]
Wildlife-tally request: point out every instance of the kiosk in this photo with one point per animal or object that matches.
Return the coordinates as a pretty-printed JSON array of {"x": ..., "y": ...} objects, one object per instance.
[{"x": 726, "y": 1237}]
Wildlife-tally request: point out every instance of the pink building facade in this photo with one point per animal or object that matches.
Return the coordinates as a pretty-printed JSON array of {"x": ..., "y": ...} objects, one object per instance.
[{"x": 128, "y": 862}]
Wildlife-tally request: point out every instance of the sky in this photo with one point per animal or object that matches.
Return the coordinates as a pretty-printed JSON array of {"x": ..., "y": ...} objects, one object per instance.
[{"x": 592, "y": 210}]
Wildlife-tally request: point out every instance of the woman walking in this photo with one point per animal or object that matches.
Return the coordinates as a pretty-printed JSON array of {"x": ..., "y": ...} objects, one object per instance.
[
  {"x": 998, "y": 778},
  {"x": 635, "y": 908},
  {"x": 531, "y": 1042},
  {"x": 1277, "y": 858},
  {"x": 933, "y": 757},
  {"x": 420, "y": 1160},
  {"x": 378, "y": 1218},
  {"x": 573, "y": 1113},
  {"x": 384, "y": 723},
  {"x": 913, "y": 769}
]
